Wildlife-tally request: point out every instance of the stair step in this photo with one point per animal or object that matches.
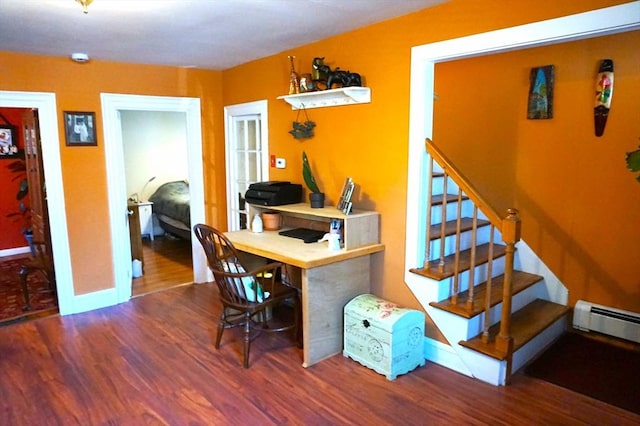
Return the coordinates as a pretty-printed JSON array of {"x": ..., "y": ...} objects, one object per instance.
[
  {"x": 451, "y": 198},
  {"x": 520, "y": 281},
  {"x": 450, "y": 227},
  {"x": 434, "y": 271},
  {"x": 526, "y": 324}
]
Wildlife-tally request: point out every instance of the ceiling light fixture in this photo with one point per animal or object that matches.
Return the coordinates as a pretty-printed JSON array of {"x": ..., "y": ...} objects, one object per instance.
[{"x": 85, "y": 5}]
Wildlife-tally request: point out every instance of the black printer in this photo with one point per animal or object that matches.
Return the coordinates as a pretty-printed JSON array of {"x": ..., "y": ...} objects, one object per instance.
[{"x": 274, "y": 193}]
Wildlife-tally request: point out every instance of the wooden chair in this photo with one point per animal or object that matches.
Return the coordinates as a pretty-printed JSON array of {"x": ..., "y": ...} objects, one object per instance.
[
  {"x": 40, "y": 262},
  {"x": 245, "y": 295}
]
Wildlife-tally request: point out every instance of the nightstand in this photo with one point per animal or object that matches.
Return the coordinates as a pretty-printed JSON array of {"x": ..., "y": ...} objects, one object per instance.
[{"x": 145, "y": 212}]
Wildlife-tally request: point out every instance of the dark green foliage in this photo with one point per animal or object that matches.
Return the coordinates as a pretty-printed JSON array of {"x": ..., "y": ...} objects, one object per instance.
[
  {"x": 309, "y": 180},
  {"x": 633, "y": 162}
]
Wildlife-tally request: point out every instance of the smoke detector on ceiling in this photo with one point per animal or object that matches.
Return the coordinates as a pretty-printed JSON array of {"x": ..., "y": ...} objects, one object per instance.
[{"x": 81, "y": 58}]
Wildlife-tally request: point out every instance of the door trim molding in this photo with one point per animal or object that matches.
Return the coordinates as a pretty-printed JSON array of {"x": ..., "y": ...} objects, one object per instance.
[
  {"x": 45, "y": 103},
  {"x": 112, "y": 104}
]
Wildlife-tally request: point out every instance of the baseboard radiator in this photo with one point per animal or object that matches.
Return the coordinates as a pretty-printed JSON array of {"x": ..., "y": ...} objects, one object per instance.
[{"x": 603, "y": 319}]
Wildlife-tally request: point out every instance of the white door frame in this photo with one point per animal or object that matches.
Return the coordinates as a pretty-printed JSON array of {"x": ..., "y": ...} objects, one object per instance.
[
  {"x": 112, "y": 104},
  {"x": 45, "y": 103},
  {"x": 596, "y": 23},
  {"x": 231, "y": 111}
]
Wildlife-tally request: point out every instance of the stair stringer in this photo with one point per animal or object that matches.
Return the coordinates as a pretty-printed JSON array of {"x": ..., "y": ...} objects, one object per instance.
[{"x": 525, "y": 259}]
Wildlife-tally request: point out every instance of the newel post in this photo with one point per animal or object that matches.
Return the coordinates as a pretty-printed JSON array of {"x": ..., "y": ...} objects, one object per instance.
[{"x": 510, "y": 235}]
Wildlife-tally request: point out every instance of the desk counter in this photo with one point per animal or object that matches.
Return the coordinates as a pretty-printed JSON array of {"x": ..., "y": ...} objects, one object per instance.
[
  {"x": 294, "y": 251},
  {"x": 329, "y": 281}
]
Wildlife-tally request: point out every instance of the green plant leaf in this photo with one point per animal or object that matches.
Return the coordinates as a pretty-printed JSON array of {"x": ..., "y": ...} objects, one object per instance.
[
  {"x": 633, "y": 162},
  {"x": 307, "y": 175}
]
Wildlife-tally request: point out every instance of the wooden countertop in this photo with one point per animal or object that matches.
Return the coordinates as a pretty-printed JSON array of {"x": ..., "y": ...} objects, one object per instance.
[{"x": 294, "y": 251}]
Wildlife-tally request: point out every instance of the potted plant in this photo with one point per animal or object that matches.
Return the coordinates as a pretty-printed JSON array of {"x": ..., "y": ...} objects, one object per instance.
[
  {"x": 633, "y": 162},
  {"x": 316, "y": 197}
]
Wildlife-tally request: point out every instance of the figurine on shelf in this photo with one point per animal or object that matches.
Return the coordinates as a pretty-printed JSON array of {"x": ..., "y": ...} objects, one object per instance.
[
  {"x": 306, "y": 83},
  {"x": 345, "y": 78},
  {"x": 316, "y": 74},
  {"x": 294, "y": 79}
]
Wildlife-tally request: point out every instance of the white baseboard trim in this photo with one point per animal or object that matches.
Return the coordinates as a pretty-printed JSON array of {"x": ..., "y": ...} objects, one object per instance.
[
  {"x": 443, "y": 354},
  {"x": 14, "y": 251},
  {"x": 91, "y": 301}
]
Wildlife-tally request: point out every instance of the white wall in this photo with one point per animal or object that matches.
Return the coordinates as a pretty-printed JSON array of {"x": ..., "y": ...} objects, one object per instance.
[{"x": 154, "y": 144}]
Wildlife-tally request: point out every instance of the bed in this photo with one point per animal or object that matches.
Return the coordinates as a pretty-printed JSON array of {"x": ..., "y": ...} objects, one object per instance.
[{"x": 172, "y": 208}]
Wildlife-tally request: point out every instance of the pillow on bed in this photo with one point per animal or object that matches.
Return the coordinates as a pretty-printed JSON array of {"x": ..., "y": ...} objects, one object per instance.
[{"x": 249, "y": 284}]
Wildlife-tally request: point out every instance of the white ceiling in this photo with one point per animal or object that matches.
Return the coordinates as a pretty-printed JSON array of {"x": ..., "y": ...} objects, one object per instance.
[{"x": 209, "y": 34}]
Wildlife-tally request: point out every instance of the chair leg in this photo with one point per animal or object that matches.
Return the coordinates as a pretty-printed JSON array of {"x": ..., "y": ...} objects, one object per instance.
[
  {"x": 247, "y": 339},
  {"x": 24, "y": 273},
  {"x": 220, "y": 328}
]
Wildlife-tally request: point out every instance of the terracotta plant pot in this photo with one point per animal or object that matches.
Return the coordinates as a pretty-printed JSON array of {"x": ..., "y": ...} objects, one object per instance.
[{"x": 272, "y": 221}]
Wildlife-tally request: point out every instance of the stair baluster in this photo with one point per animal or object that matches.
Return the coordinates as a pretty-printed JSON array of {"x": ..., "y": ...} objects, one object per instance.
[
  {"x": 443, "y": 208},
  {"x": 456, "y": 263},
  {"x": 472, "y": 270},
  {"x": 427, "y": 254},
  {"x": 487, "y": 300}
]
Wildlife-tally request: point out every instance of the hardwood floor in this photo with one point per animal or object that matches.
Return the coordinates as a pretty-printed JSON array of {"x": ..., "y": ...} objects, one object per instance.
[
  {"x": 167, "y": 263},
  {"x": 152, "y": 361}
]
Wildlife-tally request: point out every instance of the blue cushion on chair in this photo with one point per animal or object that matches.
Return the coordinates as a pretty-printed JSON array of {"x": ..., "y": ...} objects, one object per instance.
[{"x": 249, "y": 284}]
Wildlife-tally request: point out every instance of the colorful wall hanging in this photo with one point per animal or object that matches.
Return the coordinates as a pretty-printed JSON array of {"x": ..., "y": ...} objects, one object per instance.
[
  {"x": 540, "y": 105},
  {"x": 604, "y": 93}
]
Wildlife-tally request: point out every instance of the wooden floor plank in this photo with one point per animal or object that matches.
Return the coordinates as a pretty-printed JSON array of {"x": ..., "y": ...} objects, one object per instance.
[
  {"x": 152, "y": 361},
  {"x": 167, "y": 263}
]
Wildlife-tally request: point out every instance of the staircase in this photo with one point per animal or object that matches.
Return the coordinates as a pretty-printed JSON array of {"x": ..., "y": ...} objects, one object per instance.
[{"x": 494, "y": 302}]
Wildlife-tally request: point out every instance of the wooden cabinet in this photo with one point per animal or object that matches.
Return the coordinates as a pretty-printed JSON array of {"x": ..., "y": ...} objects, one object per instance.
[{"x": 134, "y": 232}]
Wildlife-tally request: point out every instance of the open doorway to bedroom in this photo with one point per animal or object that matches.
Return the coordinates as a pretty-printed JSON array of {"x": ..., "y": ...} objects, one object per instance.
[
  {"x": 121, "y": 207},
  {"x": 156, "y": 172}
]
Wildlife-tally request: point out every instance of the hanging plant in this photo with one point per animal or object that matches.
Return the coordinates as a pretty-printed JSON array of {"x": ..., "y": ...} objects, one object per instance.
[{"x": 302, "y": 130}]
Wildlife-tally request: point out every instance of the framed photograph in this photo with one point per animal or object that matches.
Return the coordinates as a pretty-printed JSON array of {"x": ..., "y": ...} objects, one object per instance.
[
  {"x": 345, "y": 204},
  {"x": 80, "y": 128},
  {"x": 8, "y": 141},
  {"x": 541, "y": 93}
]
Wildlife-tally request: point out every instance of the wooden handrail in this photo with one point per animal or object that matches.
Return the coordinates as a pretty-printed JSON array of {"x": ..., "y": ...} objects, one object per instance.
[{"x": 464, "y": 184}]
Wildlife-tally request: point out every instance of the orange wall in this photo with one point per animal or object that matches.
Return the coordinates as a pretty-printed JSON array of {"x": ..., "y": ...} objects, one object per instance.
[
  {"x": 580, "y": 206},
  {"x": 77, "y": 88},
  {"x": 369, "y": 142}
]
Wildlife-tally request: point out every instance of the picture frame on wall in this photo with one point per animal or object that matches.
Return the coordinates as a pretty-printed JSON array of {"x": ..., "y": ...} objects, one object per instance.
[
  {"x": 8, "y": 141},
  {"x": 540, "y": 106},
  {"x": 80, "y": 128}
]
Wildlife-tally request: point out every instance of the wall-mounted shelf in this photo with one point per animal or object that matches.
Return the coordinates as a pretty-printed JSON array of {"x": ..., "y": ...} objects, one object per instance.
[{"x": 328, "y": 98}]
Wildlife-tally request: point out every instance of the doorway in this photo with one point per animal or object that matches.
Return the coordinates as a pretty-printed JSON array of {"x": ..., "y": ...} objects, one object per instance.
[
  {"x": 155, "y": 158},
  {"x": 112, "y": 105},
  {"x": 611, "y": 20},
  {"x": 247, "y": 156},
  {"x": 45, "y": 103}
]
